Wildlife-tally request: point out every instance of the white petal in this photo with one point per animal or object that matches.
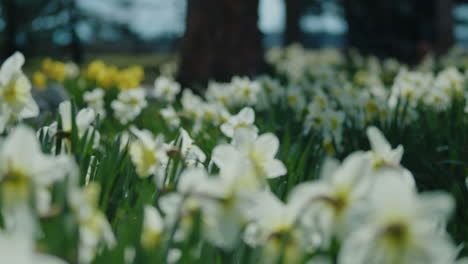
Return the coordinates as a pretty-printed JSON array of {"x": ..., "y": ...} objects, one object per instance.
[
  {"x": 274, "y": 168},
  {"x": 244, "y": 139},
  {"x": 378, "y": 142},
  {"x": 267, "y": 144},
  {"x": 224, "y": 154},
  {"x": 84, "y": 118},
  {"x": 31, "y": 109},
  {"x": 65, "y": 110},
  {"x": 11, "y": 67},
  {"x": 247, "y": 115}
]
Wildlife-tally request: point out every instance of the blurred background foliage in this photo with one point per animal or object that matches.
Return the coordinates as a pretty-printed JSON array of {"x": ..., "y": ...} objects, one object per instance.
[{"x": 82, "y": 30}]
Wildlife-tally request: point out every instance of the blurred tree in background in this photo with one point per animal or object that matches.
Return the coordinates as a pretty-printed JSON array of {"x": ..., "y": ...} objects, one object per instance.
[
  {"x": 221, "y": 39},
  {"x": 403, "y": 29},
  {"x": 30, "y": 23}
]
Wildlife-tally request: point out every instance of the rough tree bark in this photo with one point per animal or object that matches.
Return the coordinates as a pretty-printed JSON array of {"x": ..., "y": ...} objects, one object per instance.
[{"x": 221, "y": 40}]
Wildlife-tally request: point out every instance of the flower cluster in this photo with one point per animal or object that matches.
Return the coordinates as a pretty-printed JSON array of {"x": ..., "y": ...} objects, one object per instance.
[{"x": 290, "y": 170}]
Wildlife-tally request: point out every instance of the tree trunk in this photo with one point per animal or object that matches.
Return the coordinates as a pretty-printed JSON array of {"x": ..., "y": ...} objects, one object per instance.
[
  {"x": 75, "y": 45},
  {"x": 443, "y": 26},
  {"x": 403, "y": 29},
  {"x": 221, "y": 40},
  {"x": 11, "y": 27},
  {"x": 293, "y": 33}
]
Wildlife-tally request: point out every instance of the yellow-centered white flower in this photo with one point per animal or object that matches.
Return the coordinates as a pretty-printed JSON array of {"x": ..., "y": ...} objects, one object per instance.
[
  {"x": 244, "y": 119},
  {"x": 153, "y": 227},
  {"x": 16, "y": 101},
  {"x": 147, "y": 153},
  {"x": 400, "y": 226}
]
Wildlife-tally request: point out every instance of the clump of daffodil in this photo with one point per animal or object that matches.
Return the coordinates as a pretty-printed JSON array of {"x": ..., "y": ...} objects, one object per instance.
[
  {"x": 130, "y": 78},
  {"x": 39, "y": 80},
  {"x": 56, "y": 70},
  {"x": 108, "y": 76}
]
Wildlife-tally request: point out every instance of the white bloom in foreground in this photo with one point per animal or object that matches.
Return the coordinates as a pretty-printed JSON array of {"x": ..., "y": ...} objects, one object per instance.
[
  {"x": 386, "y": 158},
  {"x": 16, "y": 101},
  {"x": 147, "y": 153},
  {"x": 274, "y": 225},
  {"x": 259, "y": 150},
  {"x": 94, "y": 229},
  {"x": 327, "y": 205},
  {"x": 400, "y": 227},
  {"x": 129, "y": 105},
  {"x": 166, "y": 89},
  {"x": 19, "y": 249},
  {"x": 244, "y": 119},
  {"x": 222, "y": 198},
  {"x": 153, "y": 227},
  {"x": 25, "y": 171}
]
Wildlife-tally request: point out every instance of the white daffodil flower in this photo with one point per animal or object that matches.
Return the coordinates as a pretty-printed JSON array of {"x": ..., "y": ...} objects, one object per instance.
[
  {"x": 95, "y": 100},
  {"x": 398, "y": 226},
  {"x": 153, "y": 227},
  {"x": 259, "y": 150},
  {"x": 244, "y": 90},
  {"x": 193, "y": 188},
  {"x": 129, "y": 105},
  {"x": 19, "y": 249},
  {"x": 24, "y": 168},
  {"x": 193, "y": 155},
  {"x": 170, "y": 116},
  {"x": 220, "y": 93},
  {"x": 147, "y": 153},
  {"x": 190, "y": 103},
  {"x": 386, "y": 158},
  {"x": 244, "y": 119},
  {"x": 166, "y": 89},
  {"x": 16, "y": 101},
  {"x": 222, "y": 198},
  {"x": 225, "y": 200},
  {"x": 94, "y": 229},
  {"x": 274, "y": 225},
  {"x": 327, "y": 205}
]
